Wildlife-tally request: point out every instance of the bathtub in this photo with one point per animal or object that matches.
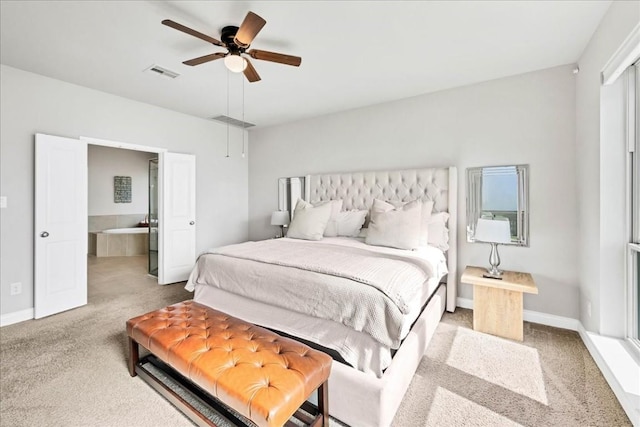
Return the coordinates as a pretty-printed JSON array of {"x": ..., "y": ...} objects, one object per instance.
[
  {"x": 119, "y": 242},
  {"x": 133, "y": 230}
]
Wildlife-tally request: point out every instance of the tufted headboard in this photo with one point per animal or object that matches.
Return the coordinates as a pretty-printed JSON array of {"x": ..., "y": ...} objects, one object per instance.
[{"x": 359, "y": 189}]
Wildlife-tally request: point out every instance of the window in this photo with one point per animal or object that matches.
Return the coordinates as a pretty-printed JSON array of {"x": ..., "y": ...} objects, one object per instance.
[
  {"x": 635, "y": 285},
  {"x": 633, "y": 139}
]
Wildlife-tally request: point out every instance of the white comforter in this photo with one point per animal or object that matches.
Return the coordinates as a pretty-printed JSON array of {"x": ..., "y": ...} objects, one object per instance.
[{"x": 371, "y": 289}]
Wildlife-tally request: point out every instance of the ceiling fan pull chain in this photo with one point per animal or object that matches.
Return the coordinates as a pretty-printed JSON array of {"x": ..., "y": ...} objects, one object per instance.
[
  {"x": 244, "y": 128},
  {"x": 227, "y": 113}
]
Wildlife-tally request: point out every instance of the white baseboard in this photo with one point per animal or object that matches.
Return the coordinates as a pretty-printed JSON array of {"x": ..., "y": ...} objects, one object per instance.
[
  {"x": 616, "y": 367},
  {"x": 16, "y": 317},
  {"x": 535, "y": 317},
  {"x": 464, "y": 303}
]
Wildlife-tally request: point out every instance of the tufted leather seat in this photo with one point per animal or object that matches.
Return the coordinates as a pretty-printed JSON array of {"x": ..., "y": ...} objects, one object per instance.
[{"x": 261, "y": 375}]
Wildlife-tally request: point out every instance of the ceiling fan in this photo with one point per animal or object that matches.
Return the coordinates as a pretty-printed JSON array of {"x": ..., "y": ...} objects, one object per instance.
[{"x": 237, "y": 40}]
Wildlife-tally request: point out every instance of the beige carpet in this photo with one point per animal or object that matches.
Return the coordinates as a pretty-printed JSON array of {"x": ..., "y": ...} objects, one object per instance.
[
  {"x": 472, "y": 379},
  {"x": 70, "y": 369}
]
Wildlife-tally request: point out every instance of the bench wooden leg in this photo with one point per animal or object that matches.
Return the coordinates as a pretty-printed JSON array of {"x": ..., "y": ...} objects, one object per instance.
[
  {"x": 323, "y": 403},
  {"x": 134, "y": 356}
]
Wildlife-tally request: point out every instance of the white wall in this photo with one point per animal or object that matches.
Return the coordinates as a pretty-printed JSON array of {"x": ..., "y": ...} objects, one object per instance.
[
  {"x": 598, "y": 173},
  {"x": 107, "y": 162},
  {"x": 31, "y": 103},
  {"x": 525, "y": 119}
]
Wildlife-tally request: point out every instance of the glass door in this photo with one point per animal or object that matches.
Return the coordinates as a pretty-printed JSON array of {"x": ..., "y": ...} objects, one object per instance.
[{"x": 153, "y": 217}]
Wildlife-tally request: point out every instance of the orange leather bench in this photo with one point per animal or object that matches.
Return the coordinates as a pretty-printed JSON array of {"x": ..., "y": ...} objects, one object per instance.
[{"x": 261, "y": 375}]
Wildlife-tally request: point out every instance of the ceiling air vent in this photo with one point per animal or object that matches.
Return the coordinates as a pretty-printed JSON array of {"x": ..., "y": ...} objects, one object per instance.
[
  {"x": 160, "y": 71},
  {"x": 232, "y": 121}
]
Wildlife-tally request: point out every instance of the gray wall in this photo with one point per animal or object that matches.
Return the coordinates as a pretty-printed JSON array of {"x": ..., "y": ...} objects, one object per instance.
[
  {"x": 527, "y": 119},
  {"x": 32, "y": 103},
  {"x": 599, "y": 173},
  {"x": 104, "y": 164}
]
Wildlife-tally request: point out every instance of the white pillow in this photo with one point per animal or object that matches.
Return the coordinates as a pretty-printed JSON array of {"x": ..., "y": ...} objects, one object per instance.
[
  {"x": 427, "y": 208},
  {"x": 309, "y": 222},
  {"x": 396, "y": 228},
  {"x": 349, "y": 223},
  {"x": 438, "y": 231},
  {"x": 332, "y": 227}
]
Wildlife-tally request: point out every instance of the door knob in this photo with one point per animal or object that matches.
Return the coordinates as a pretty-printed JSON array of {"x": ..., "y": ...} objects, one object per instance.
[
  {"x": 44, "y": 234},
  {"x": 192, "y": 222}
]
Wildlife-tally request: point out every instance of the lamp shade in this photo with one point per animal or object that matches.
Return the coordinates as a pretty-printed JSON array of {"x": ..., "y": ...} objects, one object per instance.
[
  {"x": 493, "y": 231},
  {"x": 280, "y": 218}
]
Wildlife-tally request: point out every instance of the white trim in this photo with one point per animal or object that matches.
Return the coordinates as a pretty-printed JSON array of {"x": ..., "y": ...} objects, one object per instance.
[
  {"x": 16, "y": 317},
  {"x": 464, "y": 303},
  {"x": 123, "y": 145},
  {"x": 551, "y": 320},
  {"x": 629, "y": 401},
  {"x": 631, "y": 294},
  {"x": 452, "y": 253},
  {"x": 626, "y": 54},
  {"x": 535, "y": 316},
  {"x": 630, "y": 101}
]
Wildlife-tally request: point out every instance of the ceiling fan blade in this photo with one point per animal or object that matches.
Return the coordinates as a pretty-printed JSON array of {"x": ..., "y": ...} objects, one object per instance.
[
  {"x": 250, "y": 73},
  {"x": 180, "y": 27},
  {"x": 275, "y": 57},
  {"x": 206, "y": 58},
  {"x": 251, "y": 26}
]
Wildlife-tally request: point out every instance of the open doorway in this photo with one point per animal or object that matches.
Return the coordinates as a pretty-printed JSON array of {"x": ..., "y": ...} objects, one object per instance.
[
  {"x": 122, "y": 205},
  {"x": 61, "y": 219},
  {"x": 176, "y": 209}
]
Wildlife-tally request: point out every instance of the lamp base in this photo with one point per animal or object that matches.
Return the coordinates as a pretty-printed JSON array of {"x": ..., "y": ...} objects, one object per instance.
[{"x": 494, "y": 261}]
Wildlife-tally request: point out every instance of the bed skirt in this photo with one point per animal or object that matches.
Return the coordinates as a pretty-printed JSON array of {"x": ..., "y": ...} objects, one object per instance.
[{"x": 363, "y": 400}]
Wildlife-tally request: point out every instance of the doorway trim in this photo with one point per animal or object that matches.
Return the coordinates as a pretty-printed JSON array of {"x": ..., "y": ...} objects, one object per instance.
[{"x": 123, "y": 145}]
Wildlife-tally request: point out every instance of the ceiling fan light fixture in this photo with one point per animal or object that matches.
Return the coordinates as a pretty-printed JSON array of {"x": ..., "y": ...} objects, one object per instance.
[
  {"x": 237, "y": 40},
  {"x": 235, "y": 63}
]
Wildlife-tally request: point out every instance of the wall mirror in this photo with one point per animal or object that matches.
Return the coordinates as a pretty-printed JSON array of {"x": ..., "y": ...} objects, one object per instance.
[
  {"x": 499, "y": 192},
  {"x": 289, "y": 191}
]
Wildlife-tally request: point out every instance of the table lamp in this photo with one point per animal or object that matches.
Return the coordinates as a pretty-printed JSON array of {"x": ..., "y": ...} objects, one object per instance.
[
  {"x": 493, "y": 231},
  {"x": 280, "y": 218}
]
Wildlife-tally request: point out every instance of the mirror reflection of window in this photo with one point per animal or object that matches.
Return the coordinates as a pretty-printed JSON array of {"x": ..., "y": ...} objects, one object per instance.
[
  {"x": 499, "y": 192},
  {"x": 500, "y": 195}
]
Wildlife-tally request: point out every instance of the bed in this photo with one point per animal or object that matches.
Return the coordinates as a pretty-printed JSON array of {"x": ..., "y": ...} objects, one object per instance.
[{"x": 377, "y": 339}]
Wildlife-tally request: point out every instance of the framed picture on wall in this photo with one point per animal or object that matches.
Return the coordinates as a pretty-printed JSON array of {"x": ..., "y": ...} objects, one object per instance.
[{"x": 122, "y": 189}]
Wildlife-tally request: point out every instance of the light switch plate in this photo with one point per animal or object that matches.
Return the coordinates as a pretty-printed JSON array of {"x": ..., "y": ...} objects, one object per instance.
[{"x": 3, "y": 202}]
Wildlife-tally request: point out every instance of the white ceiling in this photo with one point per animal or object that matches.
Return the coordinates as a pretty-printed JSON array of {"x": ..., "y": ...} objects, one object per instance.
[{"x": 355, "y": 53}]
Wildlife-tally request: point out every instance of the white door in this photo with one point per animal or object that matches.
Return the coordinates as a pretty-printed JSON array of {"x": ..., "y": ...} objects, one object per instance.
[
  {"x": 176, "y": 217},
  {"x": 60, "y": 259}
]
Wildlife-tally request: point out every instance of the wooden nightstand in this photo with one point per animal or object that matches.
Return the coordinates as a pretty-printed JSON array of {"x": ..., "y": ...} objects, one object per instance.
[{"x": 497, "y": 304}]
